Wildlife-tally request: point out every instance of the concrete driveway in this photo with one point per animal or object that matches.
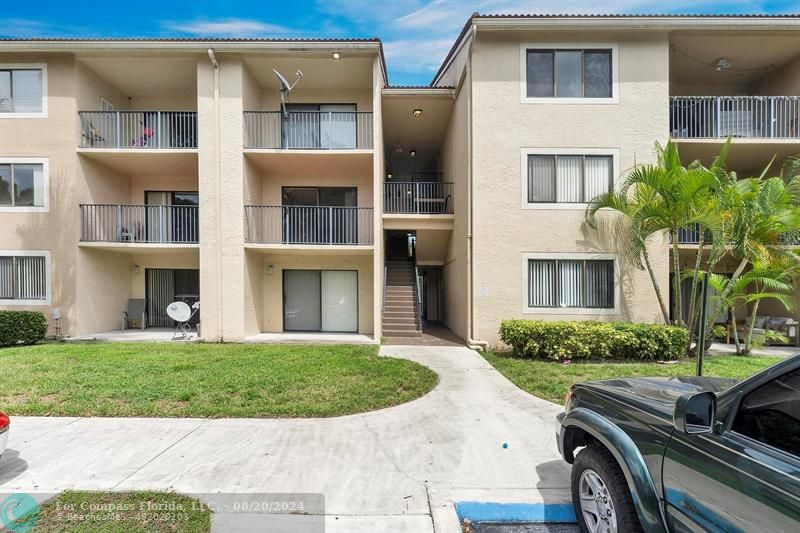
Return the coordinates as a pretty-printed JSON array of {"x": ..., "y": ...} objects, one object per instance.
[{"x": 398, "y": 469}]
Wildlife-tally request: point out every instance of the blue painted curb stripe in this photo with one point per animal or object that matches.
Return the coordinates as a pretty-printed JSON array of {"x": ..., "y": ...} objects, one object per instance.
[{"x": 516, "y": 512}]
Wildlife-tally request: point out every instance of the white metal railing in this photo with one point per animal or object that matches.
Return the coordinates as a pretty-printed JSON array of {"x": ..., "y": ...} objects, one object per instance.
[
  {"x": 691, "y": 235},
  {"x": 308, "y": 130},
  {"x": 710, "y": 117},
  {"x": 172, "y": 224},
  {"x": 418, "y": 296},
  {"x": 419, "y": 197},
  {"x": 272, "y": 224},
  {"x": 138, "y": 129}
]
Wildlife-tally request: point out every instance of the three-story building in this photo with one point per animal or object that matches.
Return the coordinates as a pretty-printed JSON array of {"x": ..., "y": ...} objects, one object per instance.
[{"x": 134, "y": 173}]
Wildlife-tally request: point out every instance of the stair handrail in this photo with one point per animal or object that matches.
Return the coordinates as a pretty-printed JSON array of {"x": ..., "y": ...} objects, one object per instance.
[
  {"x": 385, "y": 283},
  {"x": 417, "y": 293}
]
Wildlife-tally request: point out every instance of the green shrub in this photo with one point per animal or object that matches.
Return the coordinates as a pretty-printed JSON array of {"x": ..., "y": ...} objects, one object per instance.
[
  {"x": 538, "y": 339},
  {"x": 22, "y": 327}
]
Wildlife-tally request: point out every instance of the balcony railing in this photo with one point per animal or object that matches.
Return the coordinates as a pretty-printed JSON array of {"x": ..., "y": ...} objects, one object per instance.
[
  {"x": 719, "y": 117},
  {"x": 308, "y": 225},
  {"x": 692, "y": 236},
  {"x": 167, "y": 224},
  {"x": 419, "y": 197},
  {"x": 308, "y": 130},
  {"x": 138, "y": 129}
]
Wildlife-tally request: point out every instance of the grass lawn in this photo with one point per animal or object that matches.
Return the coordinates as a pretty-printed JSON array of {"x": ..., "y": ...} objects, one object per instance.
[
  {"x": 551, "y": 380},
  {"x": 204, "y": 380},
  {"x": 122, "y": 512}
]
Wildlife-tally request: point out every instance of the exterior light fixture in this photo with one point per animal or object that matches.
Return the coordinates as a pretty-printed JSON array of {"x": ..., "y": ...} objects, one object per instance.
[
  {"x": 388, "y": 176},
  {"x": 723, "y": 63},
  {"x": 412, "y": 153},
  {"x": 417, "y": 113},
  {"x": 336, "y": 55}
]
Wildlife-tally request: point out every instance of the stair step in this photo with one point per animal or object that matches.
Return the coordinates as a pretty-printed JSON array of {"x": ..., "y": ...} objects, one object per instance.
[
  {"x": 400, "y": 321},
  {"x": 399, "y": 314},
  {"x": 393, "y": 333},
  {"x": 400, "y": 290}
]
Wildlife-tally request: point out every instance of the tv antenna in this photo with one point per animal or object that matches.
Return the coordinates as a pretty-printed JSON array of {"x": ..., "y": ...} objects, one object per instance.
[{"x": 286, "y": 88}]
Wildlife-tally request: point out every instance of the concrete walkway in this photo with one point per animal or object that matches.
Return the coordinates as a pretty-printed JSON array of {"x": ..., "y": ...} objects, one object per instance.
[{"x": 395, "y": 470}]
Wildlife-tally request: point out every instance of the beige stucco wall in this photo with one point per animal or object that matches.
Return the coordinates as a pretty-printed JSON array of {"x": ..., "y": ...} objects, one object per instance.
[
  {"x": 270, "y": 97},
  {"x": 272, "y": 284},
  {"x": 783, "y": 81},
  {"x": 54, "y": 138},
  {"x": 455, "y": 160},
  {"x": 503, "y": 231}
]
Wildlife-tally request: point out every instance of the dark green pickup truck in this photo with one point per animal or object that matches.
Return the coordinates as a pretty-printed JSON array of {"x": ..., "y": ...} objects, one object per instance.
[{"x": 686, "y": 454}]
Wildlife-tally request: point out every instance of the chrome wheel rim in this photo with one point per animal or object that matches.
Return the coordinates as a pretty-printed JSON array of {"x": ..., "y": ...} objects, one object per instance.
[{"x": 597, "y": 507}]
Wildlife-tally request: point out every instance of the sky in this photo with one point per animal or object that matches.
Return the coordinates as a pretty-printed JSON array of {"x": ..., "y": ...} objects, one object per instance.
[{"x": 416, "y": 34}]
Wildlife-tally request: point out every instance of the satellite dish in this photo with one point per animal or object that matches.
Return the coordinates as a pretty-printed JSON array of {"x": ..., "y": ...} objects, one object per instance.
[
  {"x": 286, "y": 88},
  {"x": 179, "y": 311}
]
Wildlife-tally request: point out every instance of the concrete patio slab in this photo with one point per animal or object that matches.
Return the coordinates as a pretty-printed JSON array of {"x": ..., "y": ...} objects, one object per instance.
[
  {"x": 396, "y": 469},
  {"x": 135, "y": 335},
  {"x": 310, "y": 338}
]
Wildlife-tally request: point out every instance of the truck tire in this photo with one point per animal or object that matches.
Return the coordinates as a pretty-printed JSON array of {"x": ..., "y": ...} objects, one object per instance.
[{"x": 600, "y": 493}]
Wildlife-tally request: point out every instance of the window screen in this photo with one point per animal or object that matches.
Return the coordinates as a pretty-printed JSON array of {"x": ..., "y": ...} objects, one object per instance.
[
  {"x": 23, "y": 278},
  {"x": 568, "y": 178},
  {"x": 21, "y": 91},
  {"x": 571, "y": 283},
  {"x": 570, "y": 73}
]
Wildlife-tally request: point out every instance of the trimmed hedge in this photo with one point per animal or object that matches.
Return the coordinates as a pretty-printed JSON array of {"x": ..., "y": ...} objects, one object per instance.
[
  {"x": 22, "y": 327},
  {"x": 593, "y": 340}
]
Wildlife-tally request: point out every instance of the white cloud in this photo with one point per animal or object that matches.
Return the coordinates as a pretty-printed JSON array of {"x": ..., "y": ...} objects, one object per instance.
[
  {"x": 416, "y": 55},
  {"x": 227, "y": 28}
]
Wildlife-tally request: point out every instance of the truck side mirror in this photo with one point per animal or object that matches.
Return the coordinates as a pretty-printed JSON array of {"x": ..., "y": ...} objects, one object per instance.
[{"x": 694, "y": 413}]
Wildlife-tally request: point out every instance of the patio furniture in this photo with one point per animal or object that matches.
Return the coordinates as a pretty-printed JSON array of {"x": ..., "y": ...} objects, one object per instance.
[
  {"x": 781, "y": 324},
  {"x": 135, "y": 313}
]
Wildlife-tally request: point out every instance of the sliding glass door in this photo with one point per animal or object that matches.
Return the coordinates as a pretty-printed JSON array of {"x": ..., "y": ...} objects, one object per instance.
[
  {"x": 315, "y": 126},
  {"x": 166, "y": 285},
  {"x": 320, "y": 300},
  {"x": 320, "y": 215}
]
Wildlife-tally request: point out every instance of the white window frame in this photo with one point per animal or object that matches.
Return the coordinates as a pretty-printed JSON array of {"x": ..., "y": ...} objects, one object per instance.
[
  {"x": 523, "y": 84},
  {"x": 523, "y": 172},
  {"x": 45, "y": 162},
  {"x": 29, "y": 66},
  {"x": 581, "y": 256},
  {"x": 47, "y": 272}
]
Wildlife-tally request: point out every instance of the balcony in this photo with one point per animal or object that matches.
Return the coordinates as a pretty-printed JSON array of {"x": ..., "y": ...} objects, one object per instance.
[
  {"x": 138, "y": 130},
  {"x": 308, "y": 130},
  {"x": 748, "y": 117},
  {"x": 142, "y": 224},
  {"x": 309, "y": 225},
  {"x": 692, "y": 236},
  {"x": 418, "y": 198}
]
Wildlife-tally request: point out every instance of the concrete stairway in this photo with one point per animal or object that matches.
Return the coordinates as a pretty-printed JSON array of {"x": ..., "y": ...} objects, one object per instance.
[{"x": 400, "y": 309}]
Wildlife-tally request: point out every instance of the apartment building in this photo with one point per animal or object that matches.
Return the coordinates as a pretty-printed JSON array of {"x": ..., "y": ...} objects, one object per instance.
[{"x": 162, "y": 170}]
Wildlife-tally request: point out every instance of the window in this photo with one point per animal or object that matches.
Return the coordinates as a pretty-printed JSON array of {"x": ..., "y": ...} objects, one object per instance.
[
  {"x": 24, "y": 277},
  {"x": 22, "y": 90},
  {"x": 569, "y": 73},
  {"x": 771, "y": 414},
  {"x": 571, "y": 283},
  {"x": 568, "y": 178},
  {"x": 22, "y": 185}
]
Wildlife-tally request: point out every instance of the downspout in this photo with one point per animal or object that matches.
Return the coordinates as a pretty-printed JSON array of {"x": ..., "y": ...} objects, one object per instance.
[
  {"x": 471, "y": 341},
  {"x": 218, "y": 187}
]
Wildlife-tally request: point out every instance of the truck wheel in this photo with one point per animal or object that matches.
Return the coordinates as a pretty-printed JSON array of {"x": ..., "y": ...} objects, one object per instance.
[{"x": 600, "y": 494}]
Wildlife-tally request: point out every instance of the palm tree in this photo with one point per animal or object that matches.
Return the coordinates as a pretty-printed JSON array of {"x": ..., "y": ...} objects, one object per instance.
[
  {"x": 666, "y": 197},
  {"x": 762, "y": 216}
]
